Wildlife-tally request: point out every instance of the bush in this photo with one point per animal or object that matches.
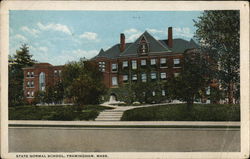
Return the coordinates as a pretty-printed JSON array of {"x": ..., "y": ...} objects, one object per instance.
[{"x": 68, "y": 113}]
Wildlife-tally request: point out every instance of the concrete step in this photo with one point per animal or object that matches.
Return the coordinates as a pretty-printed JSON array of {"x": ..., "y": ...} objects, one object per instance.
[
  {"x": 114, "y": 110},
  {"x": 107, "y": 119},
  {"x": 108, "y": 113}
]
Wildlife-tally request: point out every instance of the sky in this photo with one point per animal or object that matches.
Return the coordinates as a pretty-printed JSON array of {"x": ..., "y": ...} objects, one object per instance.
[{"x": 58, "y": 37}]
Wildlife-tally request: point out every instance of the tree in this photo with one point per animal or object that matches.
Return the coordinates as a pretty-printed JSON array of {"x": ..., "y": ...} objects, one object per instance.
[
  {"x": 58, "y": 93},
  {"x": 83, "y": 82},
  {"x": 193, "y": 79},
  {"x": 218, "y": 33},
  {"x": 21, "y": 59}
]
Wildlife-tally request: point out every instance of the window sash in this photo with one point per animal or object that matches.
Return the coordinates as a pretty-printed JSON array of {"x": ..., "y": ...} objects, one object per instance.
[
  {"x": 153, "y": 75},
  {"x": 143, "y": 62},
  {"x": 163, "y": 60},
  {"x": 114, "y": 67},
  {"x": 134, "y": 64},
  {"x": 153, "y": 61},
  {"x": 134, "y": 77},
  {"x": 176, "y": 61},
  {"x": 125, "y": 77},
  {"x": 125, "y": 64},
  {"x": 163, "y": 75},
  {"x": 114, "y": 81},
  {"x": 143, "y": 77},
  {"x": 163, "y": 93}
]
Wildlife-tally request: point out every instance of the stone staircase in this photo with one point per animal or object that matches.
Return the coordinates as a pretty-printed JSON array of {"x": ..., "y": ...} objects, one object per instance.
[{"x": 111, "y": 114}]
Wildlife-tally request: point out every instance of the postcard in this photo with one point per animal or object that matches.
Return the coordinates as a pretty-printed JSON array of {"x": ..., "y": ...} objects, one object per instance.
[{"x": 124, "y": 79}]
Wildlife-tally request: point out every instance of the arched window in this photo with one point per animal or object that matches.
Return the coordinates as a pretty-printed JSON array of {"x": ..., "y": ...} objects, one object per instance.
[
  {"x": 42, "y": 81},
  {"x": 143, "y": 46}
]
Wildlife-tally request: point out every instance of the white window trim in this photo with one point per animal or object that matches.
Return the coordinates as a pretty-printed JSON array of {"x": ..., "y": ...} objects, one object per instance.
[{"x": 116, "y": 83}]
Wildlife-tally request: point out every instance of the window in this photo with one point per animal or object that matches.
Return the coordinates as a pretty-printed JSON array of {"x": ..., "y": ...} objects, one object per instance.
[
  {"x": 60, "y": 71},
  {"x": 114, "y": 81},
  {"x": 28, "y": 84},
  {"x": 153, "y": 75},
  {"x": 177, "y": 63},
  {"x": 125, "y": 78},
  {"x": 32, "y": 94},
  {"x": 32, "y": 74},
  {"x": 134, "y": 64},
  {"x": 208, "y": 90},
  {"x": 42, "y": 81},
  {"x": 153, "y": 93},
  {"x": 114, "y": 67},
  {"x": 28, "y": 94},
  {"x": 153, "y": 61},
  {"x": 163, "y": 62},
  {"x": 163, "y": 93},
  {"x": 176, "y": 74},
  {"x": 143, "y": 62},
  {"x": 55, "y": 72},
  {"x": 143, "y": 77},
  {"x": 124, "y": 64},
  {"x": 32, "y": 84},
  {"x": 143, "y": 46},
  {"x": 163, "y": 75},
  {"x": 134, "y": 77},
  {"x": 102, "y": 66}
]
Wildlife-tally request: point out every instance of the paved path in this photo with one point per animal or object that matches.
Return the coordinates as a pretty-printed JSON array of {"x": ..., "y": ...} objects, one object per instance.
[
  {"x": 116, "y": 113},
  {"x": 62, "y": 139}
]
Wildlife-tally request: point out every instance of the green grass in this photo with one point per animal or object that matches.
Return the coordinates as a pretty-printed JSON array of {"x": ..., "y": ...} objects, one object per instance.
[
  {"x": 66, "y": 113},
  {"x": 179, "y": 112}
]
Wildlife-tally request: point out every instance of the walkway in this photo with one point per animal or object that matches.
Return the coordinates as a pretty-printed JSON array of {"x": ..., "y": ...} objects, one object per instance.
[{"x": 116, "y": 113}]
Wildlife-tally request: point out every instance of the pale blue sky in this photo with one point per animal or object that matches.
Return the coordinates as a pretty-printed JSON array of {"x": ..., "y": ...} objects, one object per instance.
[{"x": 61, "y": 36}]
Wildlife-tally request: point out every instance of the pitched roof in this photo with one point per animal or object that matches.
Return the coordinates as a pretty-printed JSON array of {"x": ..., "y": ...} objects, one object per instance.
[
  {"x": 155, "y": 46},
  {"x": 180, "y": 45}
]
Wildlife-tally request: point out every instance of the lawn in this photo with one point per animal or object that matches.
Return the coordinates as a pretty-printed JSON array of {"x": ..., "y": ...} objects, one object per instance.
[
  {"x": 179, "y": 112},
  {"x": 89, "y": 112}
]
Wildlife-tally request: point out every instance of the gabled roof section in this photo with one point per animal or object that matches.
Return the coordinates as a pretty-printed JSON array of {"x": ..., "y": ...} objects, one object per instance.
[
  {"x": 180, "y": 45},
  {"x": 154, "y": 46},
  {"x": 112, "y": 52}
]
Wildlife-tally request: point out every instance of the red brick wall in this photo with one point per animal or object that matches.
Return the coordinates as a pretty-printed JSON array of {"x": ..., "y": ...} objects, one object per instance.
[
  {"x": 108, "y": 74},
  {"x": 50, "y": 77}
]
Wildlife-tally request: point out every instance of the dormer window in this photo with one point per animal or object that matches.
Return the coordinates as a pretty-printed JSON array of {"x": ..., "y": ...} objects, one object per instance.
[{"x": 143, "y": 46}]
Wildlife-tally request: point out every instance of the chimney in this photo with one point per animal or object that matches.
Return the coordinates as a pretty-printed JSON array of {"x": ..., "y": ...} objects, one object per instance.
[
  {"x": 122, "y": 42},
  {"x": 170, "y": 37}
]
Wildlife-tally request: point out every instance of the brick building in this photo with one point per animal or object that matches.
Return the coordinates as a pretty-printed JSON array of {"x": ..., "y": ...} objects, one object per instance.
[
  {"x": 38, "y": 77},
  {"x": 125, "y": 62}
]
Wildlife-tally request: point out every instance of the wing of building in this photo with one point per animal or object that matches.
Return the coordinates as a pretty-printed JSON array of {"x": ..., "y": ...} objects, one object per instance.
[
  {"x": 125, "y": 62},
  {"x": 37, "y": 77}
]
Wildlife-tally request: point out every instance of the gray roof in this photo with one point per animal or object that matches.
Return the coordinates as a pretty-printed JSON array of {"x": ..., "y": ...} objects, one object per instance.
[{"x": 155, "y": 46}]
